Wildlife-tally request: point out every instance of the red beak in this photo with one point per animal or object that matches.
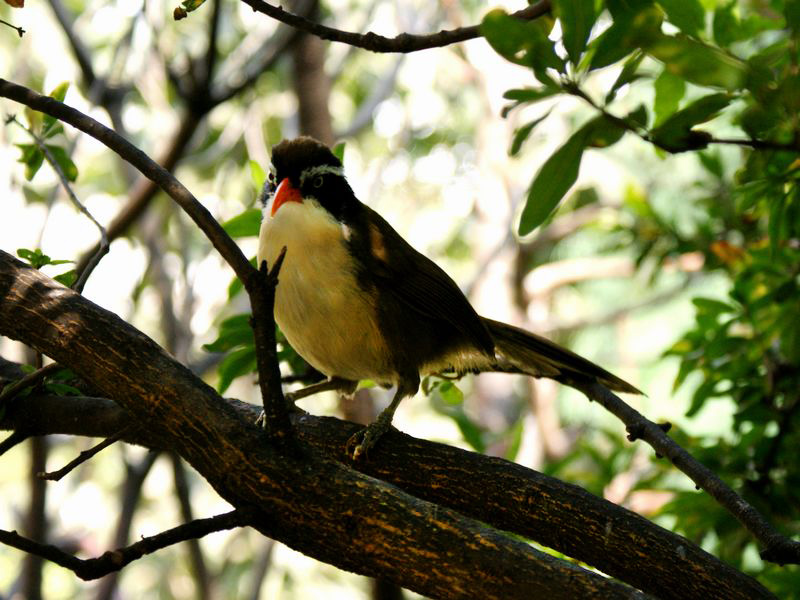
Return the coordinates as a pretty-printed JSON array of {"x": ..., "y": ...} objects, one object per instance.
[{"x": 286, "y": 192}]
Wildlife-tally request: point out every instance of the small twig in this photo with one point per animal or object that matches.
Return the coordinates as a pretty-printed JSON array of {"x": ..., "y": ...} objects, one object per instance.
[
  {"x": 260, "y": 287},
  {"x": 405, "y": 42},
  {"x": 102, "y": 250},
  {"x": 17, "y": 437},
  {"x": 82, "y": 458},
  {"x": 756, "y": 144},
  {"x": 777, "y": 548},
  {"x": 20, "y": 30},
  {"x": 203, "y": 580},
  {"x": 115, "y": 560},
  {"x": 626, "y": 124},
  {"x": 12, "y": 389}
]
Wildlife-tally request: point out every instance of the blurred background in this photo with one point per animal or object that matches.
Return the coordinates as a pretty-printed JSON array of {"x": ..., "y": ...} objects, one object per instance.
[{"x": 614, "y": 274}]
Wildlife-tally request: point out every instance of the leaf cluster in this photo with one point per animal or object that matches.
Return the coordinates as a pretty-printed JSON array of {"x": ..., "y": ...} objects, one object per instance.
[{"x": 720, "y": 59}]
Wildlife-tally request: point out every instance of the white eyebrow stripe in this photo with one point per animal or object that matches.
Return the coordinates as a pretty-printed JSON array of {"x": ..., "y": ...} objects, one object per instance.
[{"x": 321, "y": 170}]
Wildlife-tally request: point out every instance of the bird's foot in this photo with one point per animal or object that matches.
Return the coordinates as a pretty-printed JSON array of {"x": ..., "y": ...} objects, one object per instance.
[{"x": 361, "y": 442}]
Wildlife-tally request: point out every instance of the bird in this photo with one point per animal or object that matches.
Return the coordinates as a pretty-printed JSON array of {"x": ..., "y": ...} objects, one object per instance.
[{"x": 357, "y": 301}]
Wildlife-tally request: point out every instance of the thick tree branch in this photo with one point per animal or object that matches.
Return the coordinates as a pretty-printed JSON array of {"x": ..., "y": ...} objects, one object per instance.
[
  {"x": 405, "y": 42},
  {"x": 316, "y": 506},
  {"x": 505, "y": 495},
  {"x": 115, "y": 560}
]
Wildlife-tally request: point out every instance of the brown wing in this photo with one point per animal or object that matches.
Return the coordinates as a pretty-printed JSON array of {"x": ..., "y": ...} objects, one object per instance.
[{"x": 418, "y": 283}]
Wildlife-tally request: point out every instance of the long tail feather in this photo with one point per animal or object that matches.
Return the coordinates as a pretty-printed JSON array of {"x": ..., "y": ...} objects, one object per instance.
[{"x": 519, "y": 351}]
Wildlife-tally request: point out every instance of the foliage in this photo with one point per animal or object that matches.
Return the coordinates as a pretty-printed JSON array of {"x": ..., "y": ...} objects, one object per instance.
[{"x": 732, "y": 66}]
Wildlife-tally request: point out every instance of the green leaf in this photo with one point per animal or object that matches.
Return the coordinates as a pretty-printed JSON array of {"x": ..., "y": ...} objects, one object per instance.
[
  {"x": 60, "y": 91},
  {"x": 32, "y": 158},
  {"x": 577, "y": 18},
  {"x": 698, "y": 63},
  {"x": 63, "y": 160},
  {"x": 36, "y": 258},
  {"x": 791, "y": 10},
  {"x": 53, "y": 131},
  {"x": 49, "y": 123},
  {"x": 236, "y": 285},
  {"x": 233, "y": 331},
  {"x": 67, "y": 279},
  {"x": 62, "y": 389},
  {"x": 627, "y": 75},
  {"x": 675, "y": 134},
  {"x": 526, "y": 96},
  {"x": 522, "y": 133},
  {"x": 245, "y": 224},
  {"x": 241, "y": 361},
  {"x": 552, "y": 181},
  {"x": 712, "y": 306},
  {"x": 623, "y": 8},
  {"x": 338, "y": 151},
  {"x": 725, "y": 26},
  {"x": 257, "y": 174},
  {"x": 638, "y": 116},
  {"x": 191, "y": 5},
  {"x": 525, "y": 43},
  {"x": 669, "y": 90},
  {"x": 687, "y": 15},
  {"x": 602, "y": 132},
  {"x": 631, "y": 30},
  {"x": 712, "y": 162},
  {"x": 450, "y": 392},
  {"x": 471, "y": 431}
]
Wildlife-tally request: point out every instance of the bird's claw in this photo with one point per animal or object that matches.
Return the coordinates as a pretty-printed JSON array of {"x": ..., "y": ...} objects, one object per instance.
[{"x": 362, "y": 441}]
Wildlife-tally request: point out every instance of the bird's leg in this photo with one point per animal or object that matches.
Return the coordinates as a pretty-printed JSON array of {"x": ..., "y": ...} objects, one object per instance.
[
  {"x": 332, "y": 383},
  {"x": 362, "y": 441}
]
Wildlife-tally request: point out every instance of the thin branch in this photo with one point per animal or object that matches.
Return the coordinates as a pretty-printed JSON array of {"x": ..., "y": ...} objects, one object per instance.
[
  {"x": 145, "y": 189},
  {"x": 260, "y": 286},
  {"x": 203, "y": 580},
  {"x": 756, "y": 144},
  {"x": 82, "y": 54},
  {"x": 146, "y": 165},
  {"x": 102, "y": 249},
  {"x": 212, "y": 51},
  {"x": 17, "y": 437},
  {"x": 130, "y": 494},
  {"x": 628, "y": 125},
  {"x": 82, "y": 458},
  {"x": 20, "y": 30},
  {"x": 12, "y": 389},
  {"x": 777, "y": 548},
  {"x": 405, "y": 42},
  {"x": 115, "y": 560}
]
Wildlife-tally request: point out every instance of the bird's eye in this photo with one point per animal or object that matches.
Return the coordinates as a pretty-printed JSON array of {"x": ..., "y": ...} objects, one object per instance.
[
  {"x": 268, "y": 190},
  {"x": 318, "y": 181}
]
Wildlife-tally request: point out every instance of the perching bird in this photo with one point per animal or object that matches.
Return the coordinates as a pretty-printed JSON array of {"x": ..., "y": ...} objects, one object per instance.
[{"x": 356, "y": 301}]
